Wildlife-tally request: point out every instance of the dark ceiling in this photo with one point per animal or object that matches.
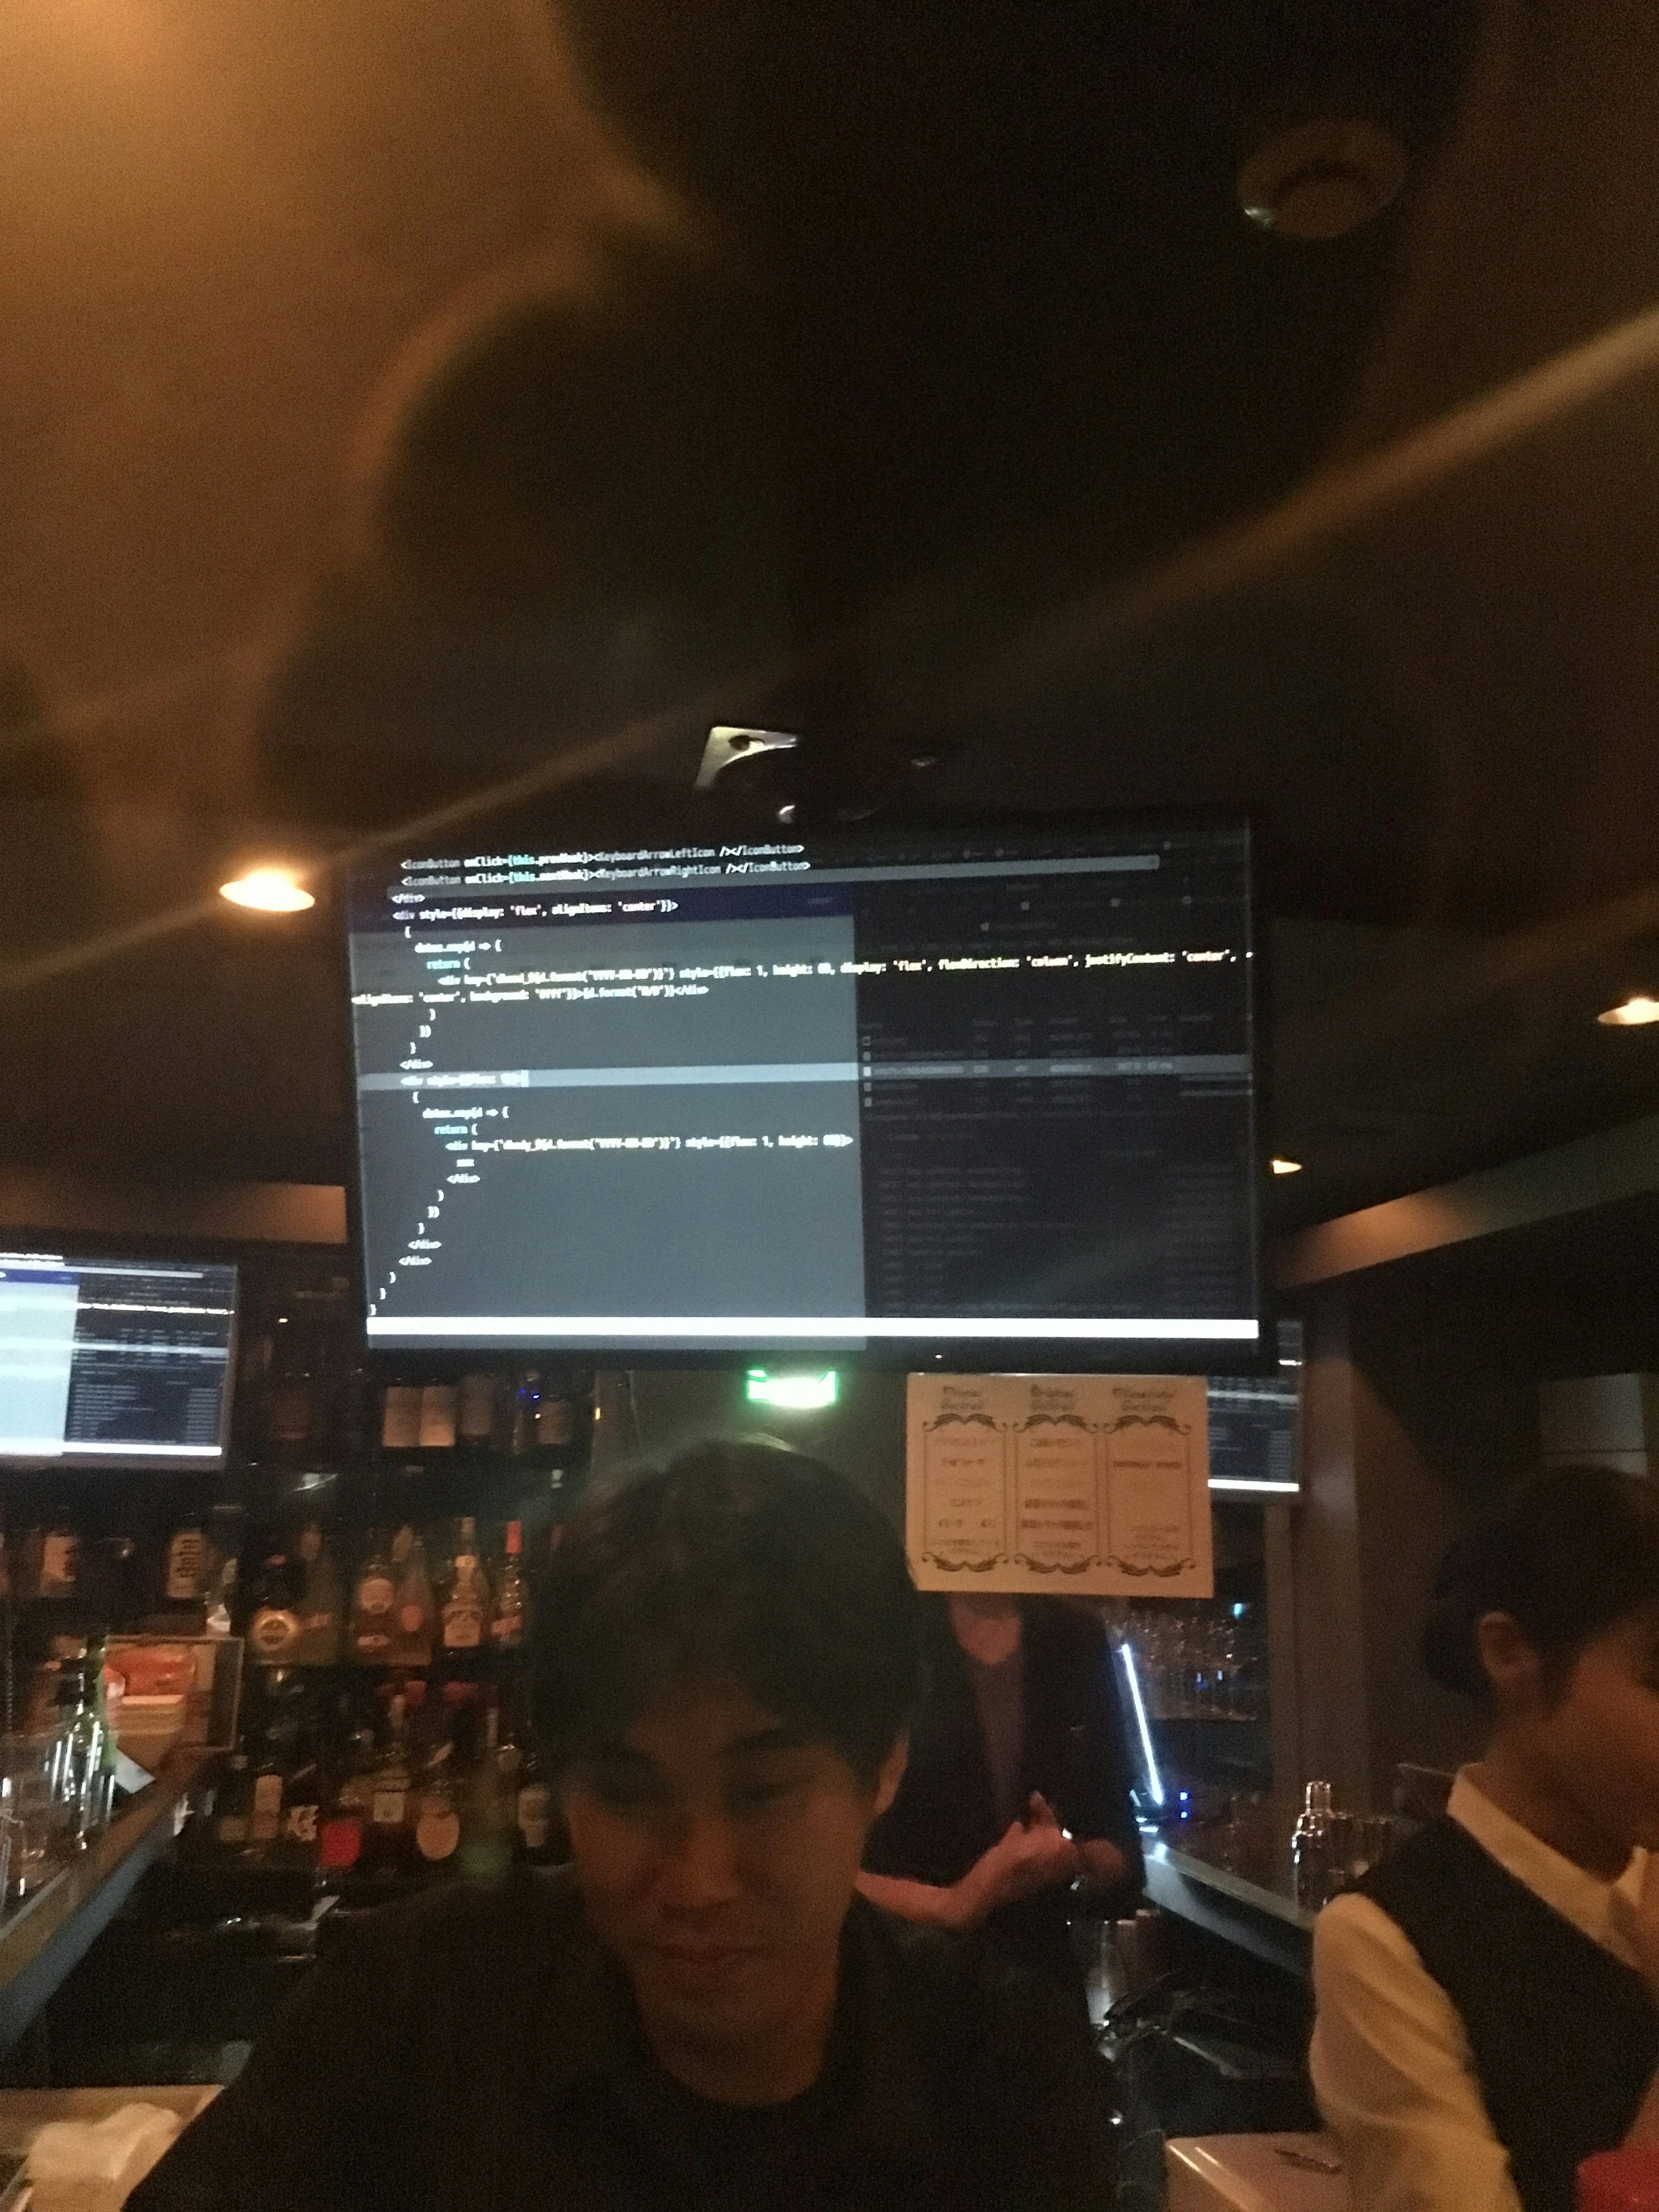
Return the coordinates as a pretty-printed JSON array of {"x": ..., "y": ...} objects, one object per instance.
[{"x": 396, "y": 404}]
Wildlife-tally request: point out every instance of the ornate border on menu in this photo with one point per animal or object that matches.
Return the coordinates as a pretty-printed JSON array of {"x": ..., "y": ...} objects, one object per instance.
[
  {"x": 1036, "y": 1564},
  {"x": 1188, "y": 1545},
  {"x": 977, "y": 1559}
]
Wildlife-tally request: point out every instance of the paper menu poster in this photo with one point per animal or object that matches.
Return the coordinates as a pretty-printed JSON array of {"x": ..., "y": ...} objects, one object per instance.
[{"x": 1093, "y": 1486}]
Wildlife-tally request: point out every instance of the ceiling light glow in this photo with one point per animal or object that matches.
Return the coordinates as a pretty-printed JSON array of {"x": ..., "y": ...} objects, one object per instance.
[
  {"x": 1285, "y": 1167},
  {"x": 1636, "y": 1011},
  {"x": 271, "y": 891}
]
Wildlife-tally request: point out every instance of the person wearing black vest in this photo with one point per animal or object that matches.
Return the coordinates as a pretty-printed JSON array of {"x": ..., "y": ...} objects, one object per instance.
[
  {"x": 1016, "y": 1794},
  {"x": 1488, "y": 2001}
]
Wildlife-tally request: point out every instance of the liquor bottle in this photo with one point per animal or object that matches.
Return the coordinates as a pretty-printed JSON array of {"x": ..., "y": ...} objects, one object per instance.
[
  {"x": 386, "y": 1837},
  {"x": 507, "y": 1629},
  {"x": 266, "y": 1803},
  {"x": 475, "y": 1420},
  {"x": 186, "y": 1567},
  {"x": 273, "y": 1608},
  {"x": 349, "y": 1792},
  {"x": 466, "y": 1611},
  {"x": 556, "y": 1416},
  {"x": 319, "y": 1642},
  {"x": 539, "y": 1832},
  {"x": 400, "y": 1417},
  {"x": 60, "y": 1560},
  {"x": 79, "y": 1800},
  {"x": 290, "y": 1394},
  {"x": 303, "y": 1786},
  {"x": 374, "y": 1607},
  {"x": 414, "y": 1606},
  {"x": 357, "y": 1414},
  {"x": 222, "y": 1605},
  {"x": 114, "y": 1580},
  {"x": 522, "y": 1440},
  {"x": 438, "y": 1808},
  {"x": 437, "y": 1426},
  {"x": 508, "y": 1732},
  {"x": 233, "y": 1805},
  {"x": 103, "y": 1710},
  {"x": 488, "y": 1817}
]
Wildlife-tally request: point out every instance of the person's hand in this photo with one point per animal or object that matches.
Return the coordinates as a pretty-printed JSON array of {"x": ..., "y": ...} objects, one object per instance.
[{"x": 1036, "y": 1854}]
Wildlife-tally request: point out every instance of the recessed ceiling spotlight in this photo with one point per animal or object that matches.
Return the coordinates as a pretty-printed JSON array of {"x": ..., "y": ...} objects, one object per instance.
[
  {"x": 271, "y": 891},
  {"x": 1633, "y": 1014},
  {"x": 1317, "y": 180},
  {"x": 1285, "y": 1167}
]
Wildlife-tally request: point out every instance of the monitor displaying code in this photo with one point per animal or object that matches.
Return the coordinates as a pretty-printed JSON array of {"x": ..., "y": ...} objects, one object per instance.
[
  {"x": 975, "y": 1101},
  {"x": 115, "y": 1363}
]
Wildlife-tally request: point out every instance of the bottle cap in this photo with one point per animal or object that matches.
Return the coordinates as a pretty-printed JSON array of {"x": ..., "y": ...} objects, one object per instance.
[{"x": 340, "y": 1843}]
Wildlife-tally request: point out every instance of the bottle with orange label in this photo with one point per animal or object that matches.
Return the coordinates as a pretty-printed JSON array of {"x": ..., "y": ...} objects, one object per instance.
[
  {"x": 415, "y": 1605},
  {"x": 274, "y": 1626},
  {"x": 374, "y": 1607}
]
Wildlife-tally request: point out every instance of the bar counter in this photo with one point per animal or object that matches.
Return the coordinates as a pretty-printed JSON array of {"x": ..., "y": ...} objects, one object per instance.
[
  {"x": 46, "y": 1938},
  {"x": 1236, "y": 1885}
]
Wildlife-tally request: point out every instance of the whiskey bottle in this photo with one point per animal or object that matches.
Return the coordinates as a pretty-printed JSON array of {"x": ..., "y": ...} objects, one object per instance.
[
  {"x": 400, "y": 1418},
  {"x": 60, "y": 1560},
  {"x": 386, "y": 1837},
  {"x": 374, "y": 1607},
  {"x": 274, "y": 1627},
  {"x": 186, "y": 1567},
  {"x": 436, "y": 1436},
  {"x": 539, "y": 1831},
  {"x": 319, "y": 1641},
  {"x": 507, "y": 1629},
  {"x": 438, "y": 1808},
  {"x": 416, "y": 1608},
  {"x": 466, "y": 1606},
  {"x": 475, "y": 1419}
]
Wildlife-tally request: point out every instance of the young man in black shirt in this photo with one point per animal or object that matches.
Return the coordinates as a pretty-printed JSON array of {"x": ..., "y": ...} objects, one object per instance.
[{"x": 700, "y": 2012}]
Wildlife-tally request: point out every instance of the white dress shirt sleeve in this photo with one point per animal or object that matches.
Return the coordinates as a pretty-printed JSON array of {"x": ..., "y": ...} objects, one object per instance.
[{"x": 1393, "y": 2077}]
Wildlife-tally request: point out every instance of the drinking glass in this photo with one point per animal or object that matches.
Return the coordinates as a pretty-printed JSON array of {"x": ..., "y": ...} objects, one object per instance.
[{"x": 35, "y": 1766}]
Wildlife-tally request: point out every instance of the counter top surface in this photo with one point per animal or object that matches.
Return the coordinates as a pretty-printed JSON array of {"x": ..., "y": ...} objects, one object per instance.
[
  {"x": 1235, "y": 1880},
  {"x": 1271, "y": 1896},
  {"x": 44, "y": 1939}
]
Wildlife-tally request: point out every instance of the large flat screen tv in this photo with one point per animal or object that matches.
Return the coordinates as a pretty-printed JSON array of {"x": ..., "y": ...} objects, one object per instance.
[
  {"x": 978, "y": 1100},
  {"x": 109, "y": 1363}
]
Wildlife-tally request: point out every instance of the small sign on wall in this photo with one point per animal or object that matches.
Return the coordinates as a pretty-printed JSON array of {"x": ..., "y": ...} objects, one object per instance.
[{"x": 1093, "y": 1486}]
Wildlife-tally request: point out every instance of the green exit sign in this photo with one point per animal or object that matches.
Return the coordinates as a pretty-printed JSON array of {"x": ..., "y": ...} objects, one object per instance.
[{"x": 791, "y": 1394}]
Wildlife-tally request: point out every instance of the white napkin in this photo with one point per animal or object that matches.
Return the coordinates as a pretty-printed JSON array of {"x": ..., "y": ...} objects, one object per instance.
[{"x": 91, "y": 2165}]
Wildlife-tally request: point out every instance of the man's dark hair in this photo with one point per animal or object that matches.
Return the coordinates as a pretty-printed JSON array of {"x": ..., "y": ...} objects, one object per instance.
[
  {"x": 746, "y": 1560},
  {"x": 1572, "y": 1553}
]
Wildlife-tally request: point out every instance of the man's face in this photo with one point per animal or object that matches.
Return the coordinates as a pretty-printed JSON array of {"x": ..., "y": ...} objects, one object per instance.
[{"x": 717, "y": 1848}]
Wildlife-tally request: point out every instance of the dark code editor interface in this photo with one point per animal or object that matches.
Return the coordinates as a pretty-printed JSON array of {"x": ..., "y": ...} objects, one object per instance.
[
  {"x": 899, "y": 1095},
  {"x": 114, "y": 1362}
]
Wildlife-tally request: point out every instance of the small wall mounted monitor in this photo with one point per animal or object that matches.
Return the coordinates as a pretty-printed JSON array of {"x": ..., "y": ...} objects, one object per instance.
[
  {"x": 1255, "y": 1425},
  {"x": 977, "y": 1100},
  {"x": 114, "y": 1362}
]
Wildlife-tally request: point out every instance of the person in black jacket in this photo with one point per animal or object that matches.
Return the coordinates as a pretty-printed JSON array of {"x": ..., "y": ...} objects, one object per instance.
[
  {"x": 700, "y": 2012},
  {"x": 1016, "y": 1798},
  {"x": 1488, "y": 2001}
]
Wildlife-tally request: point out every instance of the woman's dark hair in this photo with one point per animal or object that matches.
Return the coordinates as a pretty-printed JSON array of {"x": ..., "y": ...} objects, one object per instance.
[
  {"x": 1575, "y": 1551},
  {"x": 743, "y": 1559}
]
